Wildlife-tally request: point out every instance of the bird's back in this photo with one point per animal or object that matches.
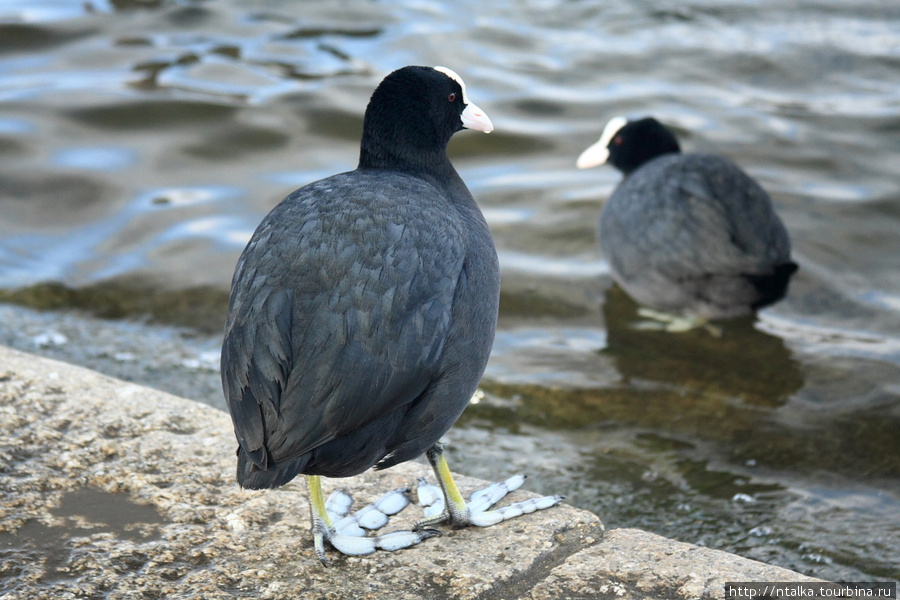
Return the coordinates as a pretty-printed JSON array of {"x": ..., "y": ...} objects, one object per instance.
[
  {"x": 351, "y": 308},
  {"x": 694, "y": 233}
]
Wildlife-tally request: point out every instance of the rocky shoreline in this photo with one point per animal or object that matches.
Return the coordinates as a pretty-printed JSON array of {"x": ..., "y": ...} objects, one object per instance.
[{"x": 113, "y": 490}]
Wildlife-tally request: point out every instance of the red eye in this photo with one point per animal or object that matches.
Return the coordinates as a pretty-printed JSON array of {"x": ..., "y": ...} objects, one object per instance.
[
  {"x": 452, "y": 97},
  {"x": 617, "y": 140}
]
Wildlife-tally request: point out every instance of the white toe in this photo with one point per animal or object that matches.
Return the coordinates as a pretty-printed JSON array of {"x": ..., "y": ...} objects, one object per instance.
[
  {"x": 370, "y": 517},
  {"x": 428, "y": 494},
  {"x": 338, "y": 504},
  {"x": 349, "y": 527},
  {"x": 353, "y": 546},
  {"x": 398, "y": 540},
  {"x": 393, "y": 502},
  {"x": 486, "y": 518}
]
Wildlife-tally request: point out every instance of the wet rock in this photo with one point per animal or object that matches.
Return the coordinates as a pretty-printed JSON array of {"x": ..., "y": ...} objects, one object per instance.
[
  {"x": 113, "y": 490},
  {"x": 630, "y": 563}
]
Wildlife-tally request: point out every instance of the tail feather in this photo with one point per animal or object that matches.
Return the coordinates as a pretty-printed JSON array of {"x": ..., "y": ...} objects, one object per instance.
[
  {"x": 250, "y": 476},
  {"x": 772, "y": 287}
]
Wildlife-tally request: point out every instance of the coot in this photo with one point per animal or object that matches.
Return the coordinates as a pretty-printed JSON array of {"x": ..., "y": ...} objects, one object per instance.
[
  {"x": 687, "y": 234},
  {"x": 362, "y": 314}
]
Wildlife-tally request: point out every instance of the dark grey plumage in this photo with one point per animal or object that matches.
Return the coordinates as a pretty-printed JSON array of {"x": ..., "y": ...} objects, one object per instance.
[
  {"x": 689, "y": 233},
  {"x": 363, "y": 309}
]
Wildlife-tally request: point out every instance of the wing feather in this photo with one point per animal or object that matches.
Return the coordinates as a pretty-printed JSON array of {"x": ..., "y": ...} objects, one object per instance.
[
  {"x": 707, "y": 218},
  {"x": 339, "y": 311}
]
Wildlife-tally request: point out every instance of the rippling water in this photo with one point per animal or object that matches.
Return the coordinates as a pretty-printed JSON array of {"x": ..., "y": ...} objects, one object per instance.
[{"x": 142, "y": 141}]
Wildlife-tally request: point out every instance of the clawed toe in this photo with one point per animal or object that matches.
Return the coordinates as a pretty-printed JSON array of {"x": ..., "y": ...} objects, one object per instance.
[
  {"x": 349, "y": 533},
  {"x": 371, "y": 517},
  {"x": 430, "y": 498},
  {"x": 396, "y": 540},
  {"x": 477, "y": 511}
]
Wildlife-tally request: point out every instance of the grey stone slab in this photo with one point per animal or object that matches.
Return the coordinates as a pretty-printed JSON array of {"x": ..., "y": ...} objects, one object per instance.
[
  {"x": 632, "y": 564},
  {"x": 113, "y": 490},
  {"x": 70, "y": 437}
]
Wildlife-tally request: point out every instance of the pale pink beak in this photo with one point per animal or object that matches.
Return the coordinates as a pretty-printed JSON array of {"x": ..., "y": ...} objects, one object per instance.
[{"x": 475, "y": 118}]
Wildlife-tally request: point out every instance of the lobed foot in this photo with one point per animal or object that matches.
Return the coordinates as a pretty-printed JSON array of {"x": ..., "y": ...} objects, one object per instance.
[
  {"x": 477, "y": 511},
  {"x": 349, "y": 533},
  {"x": 663, "y": 321}
]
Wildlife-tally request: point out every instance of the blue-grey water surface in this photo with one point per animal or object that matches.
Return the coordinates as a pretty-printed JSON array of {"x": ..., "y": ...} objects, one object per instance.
[{"x": 142, "y": 141}]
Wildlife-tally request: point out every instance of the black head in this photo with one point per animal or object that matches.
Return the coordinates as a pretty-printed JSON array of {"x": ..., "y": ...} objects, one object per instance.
[
  {"x": 627, "y": 145},
  {"x": 412, "y": 115}
]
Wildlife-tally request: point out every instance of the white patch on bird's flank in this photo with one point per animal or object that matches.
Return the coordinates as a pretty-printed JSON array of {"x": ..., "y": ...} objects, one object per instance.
[{"x": 455, "y": 77}]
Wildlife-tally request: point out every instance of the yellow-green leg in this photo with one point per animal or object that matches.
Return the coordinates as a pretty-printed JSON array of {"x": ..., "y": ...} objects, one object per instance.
[
  {"x": 455, "y": 505},
  {"x": 477, "y": 511},
  {"x": 321, "y": 524}
]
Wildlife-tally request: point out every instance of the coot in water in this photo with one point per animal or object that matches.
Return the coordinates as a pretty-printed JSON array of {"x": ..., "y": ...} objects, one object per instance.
[
  {"x": 361, "y": 317},
  {"x": 687, "y": 234}
]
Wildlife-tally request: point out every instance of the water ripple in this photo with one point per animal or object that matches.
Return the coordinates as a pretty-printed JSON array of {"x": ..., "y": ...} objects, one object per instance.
[{"x": 144, "y": 140}]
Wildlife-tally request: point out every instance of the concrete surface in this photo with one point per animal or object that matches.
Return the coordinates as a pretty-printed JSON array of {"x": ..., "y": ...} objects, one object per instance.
[{"x": 116, "y": 491}]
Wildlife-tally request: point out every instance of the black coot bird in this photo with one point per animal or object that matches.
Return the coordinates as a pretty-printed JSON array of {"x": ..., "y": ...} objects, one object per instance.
[
  {"x": 362, "y": 314},
  {"x": 687, "y": 234}
]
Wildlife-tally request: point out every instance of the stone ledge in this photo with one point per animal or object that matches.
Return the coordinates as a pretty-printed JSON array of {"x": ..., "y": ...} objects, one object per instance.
[{"x": 113, "y": 490}]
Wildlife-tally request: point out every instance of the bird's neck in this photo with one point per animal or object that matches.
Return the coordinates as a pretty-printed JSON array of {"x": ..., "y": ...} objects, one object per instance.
[{"x": 433, "y": 166}]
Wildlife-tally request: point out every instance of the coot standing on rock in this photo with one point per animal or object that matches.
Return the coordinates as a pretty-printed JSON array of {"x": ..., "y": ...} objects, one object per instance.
[
  {"x": 687, "y": 234},
  {"x": 362, "y": 314}
]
